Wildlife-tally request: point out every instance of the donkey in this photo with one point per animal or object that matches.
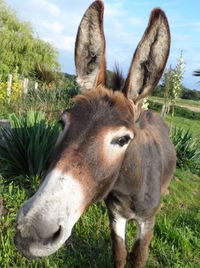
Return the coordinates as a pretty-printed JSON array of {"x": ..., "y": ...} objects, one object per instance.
[{"x": 109, "y": 149}]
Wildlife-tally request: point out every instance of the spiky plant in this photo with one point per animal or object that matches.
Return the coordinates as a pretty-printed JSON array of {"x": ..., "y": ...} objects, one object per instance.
[
  {"x": 28, "y": 145},
  {"x": 187, "y": 149}
]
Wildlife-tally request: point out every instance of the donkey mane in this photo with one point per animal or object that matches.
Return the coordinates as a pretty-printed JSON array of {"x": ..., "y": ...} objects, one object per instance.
[
  {"x": 117, "y": 80},
  {"x": 102, "y": 93}
]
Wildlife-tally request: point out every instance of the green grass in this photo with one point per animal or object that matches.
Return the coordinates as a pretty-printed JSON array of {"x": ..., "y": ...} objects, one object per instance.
[
  {"x": 193, "y": 125},
  {"x": 176, "y": 241}
]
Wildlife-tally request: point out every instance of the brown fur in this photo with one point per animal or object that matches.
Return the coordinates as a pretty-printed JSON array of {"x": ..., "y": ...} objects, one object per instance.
[
  {"x": 140, "y": 251},
  {"x": 89, "y": 58},
  {"x": 119, "y": 250},
  {"x": 103, "y": 109},
  {"x": 150, "y": 77}
]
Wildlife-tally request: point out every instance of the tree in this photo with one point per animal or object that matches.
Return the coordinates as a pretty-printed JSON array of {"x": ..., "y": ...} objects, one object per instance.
[
  {"x": 190, "y": 94},
  {"x": 19, "y": 48}
]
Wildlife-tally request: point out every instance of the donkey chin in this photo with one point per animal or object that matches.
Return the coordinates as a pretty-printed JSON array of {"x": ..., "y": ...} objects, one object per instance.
[{"x": 46, "y": 220}]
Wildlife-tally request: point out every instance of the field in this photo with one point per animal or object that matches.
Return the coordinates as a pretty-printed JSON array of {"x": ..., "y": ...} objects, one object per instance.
[
  {"x": 189, "y": 104},
  {"x": 181, "y": 121},
  {"x": 176, "y": 241},
  {"x": 193, "y": 125}
]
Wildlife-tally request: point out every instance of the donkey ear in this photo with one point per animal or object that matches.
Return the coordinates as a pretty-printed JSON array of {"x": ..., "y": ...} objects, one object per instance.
[
  {"x": 90, "y": 48},
  {"x": 150, "y": 58}
]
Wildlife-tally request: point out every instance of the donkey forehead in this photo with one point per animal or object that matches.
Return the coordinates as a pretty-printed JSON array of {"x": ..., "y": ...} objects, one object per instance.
[
  {"x": 93, "y": 114},
  {"x": 101, "y": 107}
]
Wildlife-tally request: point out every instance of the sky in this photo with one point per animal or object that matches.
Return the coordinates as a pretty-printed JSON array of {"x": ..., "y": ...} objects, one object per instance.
[{"x": 125, "y": 21}]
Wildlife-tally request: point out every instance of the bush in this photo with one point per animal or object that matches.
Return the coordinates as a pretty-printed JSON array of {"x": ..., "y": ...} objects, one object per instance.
[
  {"x": 159, "y": 91},
  {"x": 56, "y": 94},
  {"x": 155, "y": 106},
  {"x": 28, "y": 145},
  {"x": 187, "y": 149},
  {"x": 190, "y": 94}
]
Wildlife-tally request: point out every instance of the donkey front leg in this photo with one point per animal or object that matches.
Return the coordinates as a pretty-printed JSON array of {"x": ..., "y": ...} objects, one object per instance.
[
  {"x": 118, "y": 235},
  {"x": 139, "y": 254}
]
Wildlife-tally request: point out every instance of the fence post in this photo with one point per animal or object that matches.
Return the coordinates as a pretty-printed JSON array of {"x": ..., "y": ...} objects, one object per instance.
[
  {"x": 36, "y": 86},
  {"x": 163, "y": 111},
  {"x": 25, "y": 86},
  {"x": 9, "y": 87}
]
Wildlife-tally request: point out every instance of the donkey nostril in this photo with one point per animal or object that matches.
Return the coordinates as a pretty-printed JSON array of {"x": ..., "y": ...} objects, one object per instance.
[{"x": 56, "y": 235}]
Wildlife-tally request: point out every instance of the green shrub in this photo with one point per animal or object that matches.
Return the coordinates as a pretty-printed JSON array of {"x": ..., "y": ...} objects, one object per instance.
[
  {"x": 187, "y": 149},
  {"x": 28, "y": 145},
  {"x": 155, "y": 106}
]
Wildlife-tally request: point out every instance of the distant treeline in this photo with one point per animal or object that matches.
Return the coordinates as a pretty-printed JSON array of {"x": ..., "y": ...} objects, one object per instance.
[
  {"x": 185, "y": 93},
  {"x": 159, "y": 91}
]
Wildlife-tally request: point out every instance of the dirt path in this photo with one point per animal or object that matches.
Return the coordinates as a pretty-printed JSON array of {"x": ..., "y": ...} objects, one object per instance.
[{"x": 189, "y": 107}]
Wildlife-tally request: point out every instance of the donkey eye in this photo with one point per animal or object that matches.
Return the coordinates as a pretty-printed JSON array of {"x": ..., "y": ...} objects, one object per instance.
[{"x": 122, "y": 140}]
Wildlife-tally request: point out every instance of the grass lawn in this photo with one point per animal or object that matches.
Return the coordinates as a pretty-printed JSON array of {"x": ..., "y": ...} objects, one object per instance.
[
  {"x": 193, "y": 125},
  {"x": 176, "y": 241}
]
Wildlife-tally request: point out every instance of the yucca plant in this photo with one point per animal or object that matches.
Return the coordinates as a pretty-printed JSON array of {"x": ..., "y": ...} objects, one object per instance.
[
  {"x": 28, "y": 145},
  {"x": 187, "y": 148}
]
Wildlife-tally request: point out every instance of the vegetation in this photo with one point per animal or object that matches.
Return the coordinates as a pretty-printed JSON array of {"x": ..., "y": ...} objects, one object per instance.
[
  {"x": 176, "y": 234},
  {"x": 186, "y": 93},
  {"x": 190, "y": 94},
  {"x": 24, "y": 157},
  {"x": 185, "y": 113},
  {"x": 187, "y": 149},
  {"x": 175, "y": 242},
  {"x": 51, "y": 102},
  {"x": 28, "y": 145},
  {"x": 172, "y": 87},
  {"x": 16, "y": 92},
  {"x": 19, "y": 48}
]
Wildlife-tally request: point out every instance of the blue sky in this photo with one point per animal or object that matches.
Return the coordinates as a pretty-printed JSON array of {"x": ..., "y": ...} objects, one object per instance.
[{"x": 57, "y": 21}]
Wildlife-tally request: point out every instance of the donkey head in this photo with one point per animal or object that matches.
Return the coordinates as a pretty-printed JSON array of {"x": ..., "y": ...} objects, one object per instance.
[{"x": 97, "y": 131}]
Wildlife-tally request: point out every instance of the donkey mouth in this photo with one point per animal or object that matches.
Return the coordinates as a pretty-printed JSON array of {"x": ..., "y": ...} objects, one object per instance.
[{"x": 34, "y": 247}]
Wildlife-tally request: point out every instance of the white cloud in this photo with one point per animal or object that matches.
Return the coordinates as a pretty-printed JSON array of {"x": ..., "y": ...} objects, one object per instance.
[
  {"x": 135, "y": 21},
  {"x": 112, "y": 10},
  {"x": 46, "y": 6},
  {"x": 66, "y": 43},
  {"x": 63, "y": 42},
  {"x": 52, "y": 27}
]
